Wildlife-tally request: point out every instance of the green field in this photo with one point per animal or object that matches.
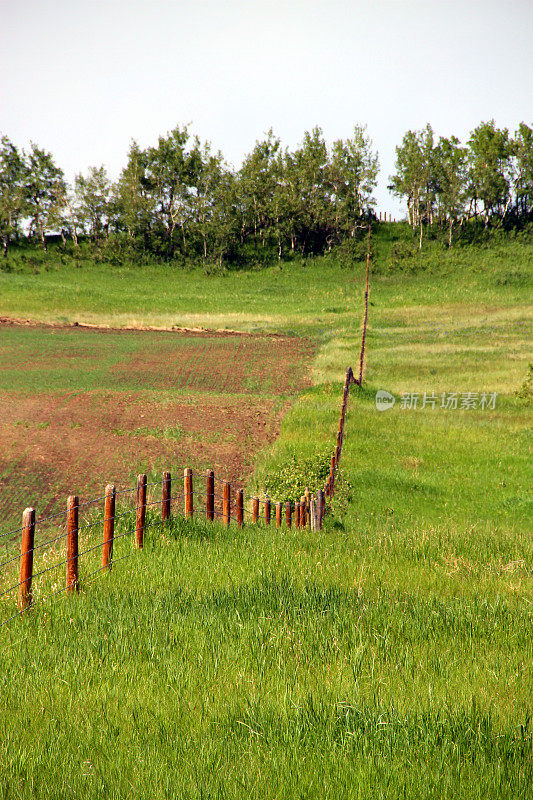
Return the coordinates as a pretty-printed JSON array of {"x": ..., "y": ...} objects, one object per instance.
[{"x": 389, "y": 655}]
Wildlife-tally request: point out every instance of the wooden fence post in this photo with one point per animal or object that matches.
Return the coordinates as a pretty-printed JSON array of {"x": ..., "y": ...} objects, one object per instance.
[
  {"x": 166, "y": 496},
  {"x": 297, "y": 514},
  {"x": 72, "y": 544},
  {"x": 226, "y": 503},
  {"x": 279, "y": 507},
  {"x": 312, "y": 514},
  {"x": 303, "y": 512},
  {"x": 338, "y": 449},
  {"x": 26, "y": 558},
  {"x": 109, "y": 525},
  {"x": 288, "y": 514},
  {"x": 187, "y": 492},
  {"x": 240, "y": 508},
  {"x": 255, "y": 509},
  {"x": 267, "y": 511},
  {"x": 321, "y": 507},
  {"x": 141, "y": 511},
  {"x": 210, "y": 495},
  {"x": 308, "y": 503}
]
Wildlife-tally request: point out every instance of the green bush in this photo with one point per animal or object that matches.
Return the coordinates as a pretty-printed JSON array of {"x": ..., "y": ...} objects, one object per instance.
[{"x": 289, "y": 480}]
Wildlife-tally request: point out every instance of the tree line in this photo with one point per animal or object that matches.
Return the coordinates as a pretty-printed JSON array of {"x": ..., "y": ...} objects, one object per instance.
[
  {"x": 446, "y": 183},
  {"x": 180, "y": 198}
]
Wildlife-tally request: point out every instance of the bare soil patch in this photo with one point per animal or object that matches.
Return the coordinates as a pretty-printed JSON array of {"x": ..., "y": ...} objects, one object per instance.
[{"x": 54, "y": 443}]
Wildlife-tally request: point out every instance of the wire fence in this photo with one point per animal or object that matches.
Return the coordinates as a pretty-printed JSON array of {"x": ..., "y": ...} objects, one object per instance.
[{"x": 203, "y": 496}]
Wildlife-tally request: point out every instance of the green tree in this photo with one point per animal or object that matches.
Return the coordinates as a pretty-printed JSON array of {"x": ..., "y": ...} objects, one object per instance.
[
  {"x": 309, "y": 166},
  {"x": 136, "y": 206},
  {"x": 46, "y": 193},
  {"x": 523, "y": 152},
  {"x": 415, "y": 178},
  {"x": 170, "y": 177},
  {"x": 490, "y": 152},
  {"x": 257, "y": 184},
  {"x": 94, "y": 194},
  {"x": 206, "y": 193},
  {"x": 451, "y": 172},
  {"x": 13, "y": 190},
  {"x": 353, "y": 175}
]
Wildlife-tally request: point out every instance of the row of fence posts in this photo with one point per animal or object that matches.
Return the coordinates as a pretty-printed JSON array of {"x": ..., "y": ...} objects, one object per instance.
[
  {"x": 383, "y": 217},
  {"x": 308, "y": 511}
]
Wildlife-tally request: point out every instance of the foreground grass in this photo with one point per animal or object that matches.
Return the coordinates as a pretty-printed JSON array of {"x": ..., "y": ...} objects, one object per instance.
[
  {"x": 280, "y": 664},
  {"x": 389, "y": 655}
]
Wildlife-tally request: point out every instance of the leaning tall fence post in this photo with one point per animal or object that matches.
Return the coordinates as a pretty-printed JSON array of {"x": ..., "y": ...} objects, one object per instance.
[
  {"x": 72, "y": 544},
  {"x": 187, "y": 492},
  {"x": 141, "y": 511},
  {"x": 166, "y": 497},
  {"x": 255, "y": 509},
  {"x": 26, "y": 558},
  {"x": 109, "y": 525}
]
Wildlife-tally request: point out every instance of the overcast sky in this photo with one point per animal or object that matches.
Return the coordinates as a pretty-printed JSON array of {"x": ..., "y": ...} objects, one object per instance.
[{"x": 84, "y": 78}]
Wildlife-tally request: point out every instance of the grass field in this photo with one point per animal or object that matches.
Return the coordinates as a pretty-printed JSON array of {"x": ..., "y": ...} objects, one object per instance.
[{"x": 389, "y": 655}]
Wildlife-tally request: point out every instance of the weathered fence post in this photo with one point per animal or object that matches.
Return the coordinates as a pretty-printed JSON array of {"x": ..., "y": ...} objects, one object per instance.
[
  {"x": 321, "y": 507},
  {"x": 279, "y": 507},
  {"x": 240, "y": 507},
  {"x": 166, "y": 496},
  {"x": 268, "y": 510},
  {"x": 226, "y": 503},
  {"x": 312, "y": 514},
  {"x": 72, "y": 544},
  {"x": 109, "y": 525},
  {"x": 288, "y": 514},
  {"x": 308, "y": 502},
  {"x": 26, "y": 558},
  {"x": 187, "y": 492},
  {"x": 141, "y": 511},
  {"x": 255, "y": 509},
  {"x": 297, "y": 514},
  {"x": 303, "y": 512},
  {"x": 210, "y": 495}
]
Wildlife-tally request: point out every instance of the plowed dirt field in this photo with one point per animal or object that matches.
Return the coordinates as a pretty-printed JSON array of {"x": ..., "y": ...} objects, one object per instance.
[{"x": 83, "y": 407}]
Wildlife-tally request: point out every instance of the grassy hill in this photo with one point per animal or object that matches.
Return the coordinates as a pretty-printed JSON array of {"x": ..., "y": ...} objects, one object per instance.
[{"x": 388, "y": 655}]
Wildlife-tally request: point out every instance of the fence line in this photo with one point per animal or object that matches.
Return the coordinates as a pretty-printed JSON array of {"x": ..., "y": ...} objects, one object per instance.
[{"x": 307, "y": 511}]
